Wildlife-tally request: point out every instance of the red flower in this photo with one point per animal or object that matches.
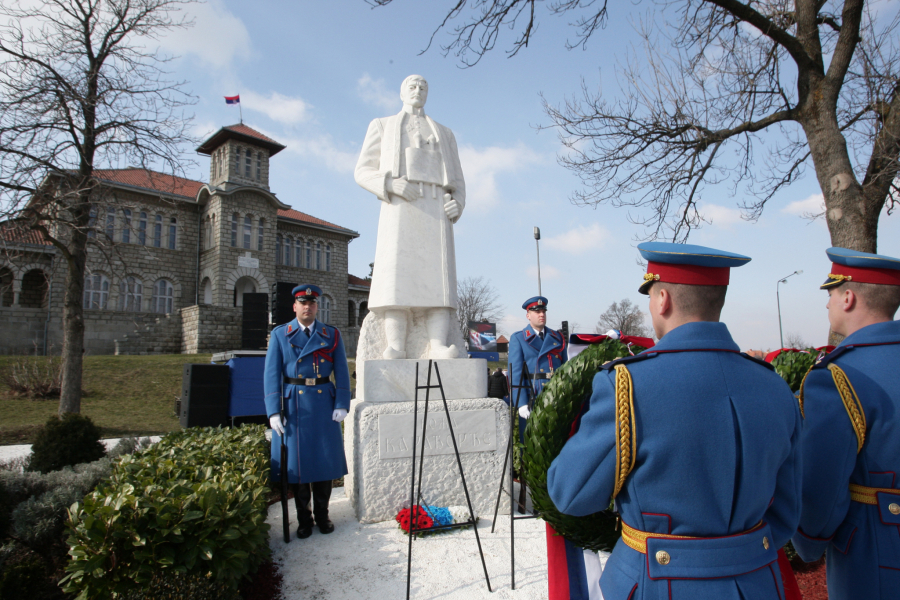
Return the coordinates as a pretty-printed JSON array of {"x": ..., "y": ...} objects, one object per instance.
[{"x": 422, "y": 520}]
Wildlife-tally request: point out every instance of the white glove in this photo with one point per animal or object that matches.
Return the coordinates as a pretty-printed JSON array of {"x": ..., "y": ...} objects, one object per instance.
[
  {"x": 614, "y": 334},
  {"x": 276, "y": 424},
  {"x": 524, "y": 411},
  {"x": 339, "y": 414}
]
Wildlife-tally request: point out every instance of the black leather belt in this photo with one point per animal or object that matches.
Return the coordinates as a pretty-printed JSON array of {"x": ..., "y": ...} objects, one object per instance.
[
  {"x": 309, "y": 381},
  {"x": 541, "y": 375}
]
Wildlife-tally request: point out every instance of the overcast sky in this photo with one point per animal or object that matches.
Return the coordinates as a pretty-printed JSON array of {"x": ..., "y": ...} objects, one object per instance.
[{"x": 312, "y": 75}]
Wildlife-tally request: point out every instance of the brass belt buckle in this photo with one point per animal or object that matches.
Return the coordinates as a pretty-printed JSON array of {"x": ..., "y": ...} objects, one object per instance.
[{"x": 309, "y": 382}]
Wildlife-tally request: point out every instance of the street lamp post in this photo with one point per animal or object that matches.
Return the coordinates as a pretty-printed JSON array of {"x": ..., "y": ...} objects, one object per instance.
[
  {"x": 778, "y": 300},
  {"x": 537, "y": 243}
]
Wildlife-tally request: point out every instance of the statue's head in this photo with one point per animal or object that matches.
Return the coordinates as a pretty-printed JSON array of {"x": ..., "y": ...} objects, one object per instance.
[{"x": 414, "y": 91}]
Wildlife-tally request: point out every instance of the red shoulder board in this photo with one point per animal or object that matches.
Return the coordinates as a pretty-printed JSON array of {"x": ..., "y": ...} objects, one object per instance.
[{"x": 289, "y": 328}]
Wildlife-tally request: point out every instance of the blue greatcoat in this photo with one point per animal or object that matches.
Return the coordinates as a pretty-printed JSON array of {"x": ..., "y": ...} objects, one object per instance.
[
  {"x": 314, "y": 441},
  {"x": 863, "y": 540},
  {"x": 526, "y": 347},
  {"x": 716, "y": 452}
]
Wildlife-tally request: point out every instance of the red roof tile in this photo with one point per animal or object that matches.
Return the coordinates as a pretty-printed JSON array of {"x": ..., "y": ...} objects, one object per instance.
[
  {"x": 296, "y": 215},
  {"x": 15, "y": 233},
  {"x": 151, "y": 180},
  {"x": 502, "y": 340},
  {"x": 239, "y": 131},
  {"x": 354, "y": 280},
  {"x": 241, "y": 128}
]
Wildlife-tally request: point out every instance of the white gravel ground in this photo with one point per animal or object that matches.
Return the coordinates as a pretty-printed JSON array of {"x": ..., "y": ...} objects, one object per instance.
[{"x": 369, "y": 561}]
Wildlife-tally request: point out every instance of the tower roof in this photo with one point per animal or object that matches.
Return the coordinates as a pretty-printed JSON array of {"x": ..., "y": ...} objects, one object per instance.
[{"x": 241, "y": 133}]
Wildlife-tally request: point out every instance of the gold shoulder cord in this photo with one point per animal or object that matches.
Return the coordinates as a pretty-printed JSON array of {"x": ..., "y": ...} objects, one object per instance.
[
  {"x": 800, "y": 395},
  {"x": 625, "y": 434},
  {"x": 851, "y": 404}
]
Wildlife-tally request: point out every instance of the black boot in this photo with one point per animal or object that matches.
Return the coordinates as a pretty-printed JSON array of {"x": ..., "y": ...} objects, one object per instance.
[
  {"x": 304, "y": 516},
  {"x": 321, "y": 495}
]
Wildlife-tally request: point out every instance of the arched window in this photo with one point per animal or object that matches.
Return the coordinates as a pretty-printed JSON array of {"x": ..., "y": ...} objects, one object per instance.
[
  {"x": 111, "y": 223},
  {"x": 142, "y": 229},
  {"x": 288, "y": 251},
  {"x": 298, "y": 257},
  {"x": 34, "y": 289},
  {"x": 351, "y": 313},
  {"x": 213, "y": 232},
  {"x": 325, "y": 310},
  {"x": 163, "y": 294},
  {"x": 234, "y": 221},
  {"x": 131, "y": 294},
  {"x": 126, "y": 226},
  {"x": 259, "y": 237},
  {"x": 173, "y": 232},
  {"x": 318, "y": 256},
  {"x": 248, "y": 230},
  {"x": 308, "y": 254},
  {"x": 363, "y": 311},
  {"x": 237, "y": 161},
  {"x": 207, "y": 291},
  {"x": 96, "y": 292},
  {"x": 258, "y": 166},
  {"x": 248, "y": 161},
  {"x": 328, "y": 250},
  {"x": 157, "y": 231},
  {"x": 278, "y": 249}
]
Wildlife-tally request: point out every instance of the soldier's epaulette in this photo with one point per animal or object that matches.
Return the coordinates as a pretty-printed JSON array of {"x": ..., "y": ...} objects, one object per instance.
[
  {"x": 628, "y": 359},
  {"x": 760, "y": 361}
]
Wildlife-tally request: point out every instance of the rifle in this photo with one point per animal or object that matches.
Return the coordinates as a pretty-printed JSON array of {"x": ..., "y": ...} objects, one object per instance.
[{"x": 285, "y": 513}]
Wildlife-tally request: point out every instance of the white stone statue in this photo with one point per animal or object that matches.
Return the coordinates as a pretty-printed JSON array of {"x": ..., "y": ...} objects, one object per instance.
[{"x": 411, "y": 164}]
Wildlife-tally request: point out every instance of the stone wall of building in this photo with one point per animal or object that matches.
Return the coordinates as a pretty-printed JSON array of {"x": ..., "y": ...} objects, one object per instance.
[
  {"x": 155, "y": 334},
  {"x": 209, "y": 329},
  {"x": 23, "y": 330}
]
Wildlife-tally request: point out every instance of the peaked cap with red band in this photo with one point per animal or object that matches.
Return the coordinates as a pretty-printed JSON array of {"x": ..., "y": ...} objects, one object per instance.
[
  {"x": 535, "y": 303},
  {"x": 861, "y": 267},
  {"x": 307, "y": 291},
  {"x": 687, "y": 264}
]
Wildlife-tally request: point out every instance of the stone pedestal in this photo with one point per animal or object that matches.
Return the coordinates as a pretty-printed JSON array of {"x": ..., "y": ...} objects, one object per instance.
[
  {"x": 378, "y": 445},
  {"x": 395, "y": 380}
]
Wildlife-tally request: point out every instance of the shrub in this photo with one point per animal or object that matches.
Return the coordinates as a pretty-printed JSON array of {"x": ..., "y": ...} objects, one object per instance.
[
  {"x": 194, "y": 503},
  {"x": 22, "y": 579},
  {"x": 183, "y": 585},
  {"x": 35, "y": 504},
  {"x": 64, "y": 442},
  {"x": 37, "y": 378}
]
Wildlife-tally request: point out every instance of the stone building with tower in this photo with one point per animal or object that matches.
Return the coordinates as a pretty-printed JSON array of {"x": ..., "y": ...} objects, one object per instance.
[{"x": 178, "y": 260}]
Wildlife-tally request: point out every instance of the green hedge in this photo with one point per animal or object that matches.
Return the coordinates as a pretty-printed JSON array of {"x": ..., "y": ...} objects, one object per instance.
[{"x": 194, "y": 503}]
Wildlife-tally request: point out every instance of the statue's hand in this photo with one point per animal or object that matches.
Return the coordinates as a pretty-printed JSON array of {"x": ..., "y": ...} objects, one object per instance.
[
  {"x": 452, "y": 208},
  {"x": 406, "y": 190}
]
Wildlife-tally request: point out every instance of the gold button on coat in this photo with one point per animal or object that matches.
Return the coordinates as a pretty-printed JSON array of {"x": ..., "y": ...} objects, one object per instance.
[
  {"x": 894, "y": 508},
  {"x": 320, "y": 391},
  {"x": 662, "y": 557},
  {"x": 765, "y": 542}
]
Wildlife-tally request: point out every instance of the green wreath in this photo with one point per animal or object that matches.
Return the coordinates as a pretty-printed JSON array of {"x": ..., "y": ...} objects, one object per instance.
[
  {"x": 793, "y": 365},
  {"x": 555, "y": 409}
]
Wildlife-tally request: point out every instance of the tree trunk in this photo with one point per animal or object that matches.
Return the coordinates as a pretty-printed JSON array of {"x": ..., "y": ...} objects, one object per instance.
[{"x": 73, "y": 327}]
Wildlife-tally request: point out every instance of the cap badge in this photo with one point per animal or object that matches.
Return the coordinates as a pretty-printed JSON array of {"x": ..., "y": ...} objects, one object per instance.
[
  {"x": 837, "y": 277},
  {"x": 651, "y": 277},
  {"x": 308, "y": 292}
]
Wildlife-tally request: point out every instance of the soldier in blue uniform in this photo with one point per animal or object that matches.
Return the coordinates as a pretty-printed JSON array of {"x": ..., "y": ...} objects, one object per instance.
[
  {"x": 302, "y": 356},
  {"x": 851, "y": 438},
  {"x": 540, "y": 349},
  {"x": 697, "y": 443}
]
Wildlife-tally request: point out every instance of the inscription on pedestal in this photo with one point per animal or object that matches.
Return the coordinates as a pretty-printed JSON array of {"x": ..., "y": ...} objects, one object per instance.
[{"x": 475, "y": 431}]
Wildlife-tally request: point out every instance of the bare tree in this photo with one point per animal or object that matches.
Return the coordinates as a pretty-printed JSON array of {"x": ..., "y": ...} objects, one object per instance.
[
  {"x": 624, "y": 316},
  {"x": 751, "y": 93},
  {"x": 478, "y": 301},
  {"x": 795, "y": 340},
  {"x": 81, "y": 88}
]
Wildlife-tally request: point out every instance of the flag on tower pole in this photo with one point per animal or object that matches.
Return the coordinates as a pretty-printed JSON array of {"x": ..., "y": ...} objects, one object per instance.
[{"x": 236, "y": 100}]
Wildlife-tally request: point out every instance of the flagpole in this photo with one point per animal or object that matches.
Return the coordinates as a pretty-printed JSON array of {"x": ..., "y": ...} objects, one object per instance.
[{"x": 241, "y": 109}]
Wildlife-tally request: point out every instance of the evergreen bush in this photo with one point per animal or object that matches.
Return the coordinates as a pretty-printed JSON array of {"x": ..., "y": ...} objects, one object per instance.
[
  {"x": 194, "y": 503},
  {"x": 64, "y": 442}
]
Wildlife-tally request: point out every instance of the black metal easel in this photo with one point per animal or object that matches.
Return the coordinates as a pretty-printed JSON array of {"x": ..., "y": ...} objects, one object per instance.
[
  {"x": 525, "y": 383},
  {"x": 415, "y": 496}
]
